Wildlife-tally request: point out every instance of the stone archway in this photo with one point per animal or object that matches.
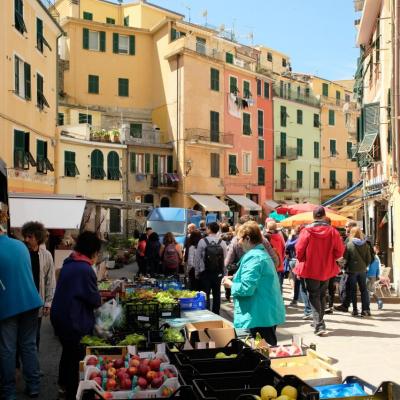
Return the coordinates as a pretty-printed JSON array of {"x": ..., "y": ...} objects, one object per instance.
[{"x": 164, "y": 202}]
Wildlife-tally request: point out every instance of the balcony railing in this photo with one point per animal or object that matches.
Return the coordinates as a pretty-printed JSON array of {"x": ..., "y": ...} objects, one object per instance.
[
  {"x": 204, "y": 136},
  {"x": 285, "y": 93},
  {"x": 286, "y": 185},
  {"x": 147, "y": 138},
  {"x": 164, "y": 180},
  {"x": 285, "y": 152}
]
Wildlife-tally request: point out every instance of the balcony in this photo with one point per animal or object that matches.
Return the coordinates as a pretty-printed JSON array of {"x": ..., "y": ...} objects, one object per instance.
[
  {"x": 205, "y": 137},
  {"x": 284, "y": 152},
  {"x": 285, "y": 93},
  {"x": 148, "y": 138},
  {"x": 166, "y": 181},
  {"x": 286, "y": 185}
]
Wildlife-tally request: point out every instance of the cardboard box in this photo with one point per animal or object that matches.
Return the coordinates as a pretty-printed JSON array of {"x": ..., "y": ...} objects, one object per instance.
[{"x": 220, "y": 332}]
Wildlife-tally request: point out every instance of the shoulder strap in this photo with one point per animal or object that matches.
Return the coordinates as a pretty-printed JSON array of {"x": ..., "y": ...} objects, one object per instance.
[
  {"x": 207, "y": 242},
  {"x": 219, "y": 241}
]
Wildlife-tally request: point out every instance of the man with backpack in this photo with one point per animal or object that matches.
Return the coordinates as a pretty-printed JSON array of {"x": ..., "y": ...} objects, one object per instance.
[{"x": 209, "y": 265}]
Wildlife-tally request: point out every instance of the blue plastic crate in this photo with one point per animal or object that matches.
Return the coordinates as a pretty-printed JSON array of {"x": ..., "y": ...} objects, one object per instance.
[
  {"x": 193, "y": 303},
  {"x": 340, "y": 391}
]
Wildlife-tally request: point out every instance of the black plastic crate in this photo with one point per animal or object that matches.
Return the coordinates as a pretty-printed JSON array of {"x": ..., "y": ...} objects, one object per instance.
[
  {"x": 155, "y": 337},
  {"x": 166, "y": 311},
  {"x": 141, "y": 317},
  {"x": 234, "y": 386}
]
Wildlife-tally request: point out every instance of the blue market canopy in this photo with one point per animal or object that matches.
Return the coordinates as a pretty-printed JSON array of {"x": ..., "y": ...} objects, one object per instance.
[{"x": 344, "y": 194}]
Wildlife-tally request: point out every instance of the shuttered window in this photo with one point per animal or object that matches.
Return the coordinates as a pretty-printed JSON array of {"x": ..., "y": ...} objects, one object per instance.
[
  {"x": 332, "y": 148},
  {"x": 40, "y": 39},
  {"x": 299, "y": 149},
  {"x": 60, "y": 119},
  {"x": 170, "y": 164},
  {"x": 325, "y": 89},
  {"x": 349, "y": 179},
  {"x": 214, "y": 79},
  {"x": 70, "y": 168},
  {"x": 261, "y": 150},
  {"x": 299, "y": 179},
  {"x": 349, "y": 148},
  {"x": 261, "y": 176},
  {"x": 214, "y": 126},
  {"x": 259, "y": 87},
  {"x": 110, "y": 21},
  {"x": 93, "y": 84},
  {"x": 300, "y": 117},
  {"x": 229, "y": 58},
  {"x": 113, "y": 172},
  {"x": 97, "y": 165},
  {"x": 123, "y": 87},
  {"x": 126, "y": 21},
  {"x": 88, "y": 15},
  {"x": 20, "y": 159},
  {"x": 94, "y": 40},
  {"x": 132, "y": 162},
  {"x": 135, "y": 130},
  {"x": 283, "y": 144},
  {"x": 260, "y": 122},
  {"x": 41, "y": 99},
  {"x": 316, "y": 149},
  {"x": 246, "y": 124},
  {"x": 214, "y": 165},
  {"x": 316, "y": 121},
  {"x": 331, "y": 117},
  {"x": 283, "y": 176},
  {"x": 233, "y": 88},
  {"x": 232, "y": 161},
  {"x": 147, "y": 166},
  {"x": 41, "y": 155},
  {"x": 316, "y": 180},
  {"x": 22, "y": 78},
  {"x": 19, "y": 22},
  {"x": 283, "y": 116},
  {"x": 266, "y": 90},
  {"x": 246, "y": 89},
  {"x": 332, "y": 179},
  {"x": 370, "y": 127}
]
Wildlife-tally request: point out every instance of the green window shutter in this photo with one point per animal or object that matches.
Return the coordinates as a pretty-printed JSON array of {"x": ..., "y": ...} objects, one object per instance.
[
  {"x": 170, "y": 164},
  {"x": 132, "y": 48},
  {"x": 316, "y": 121},
  {"x": 229, "y": 58},
  {"x": 332, "y": 179},
  {"x": 259, "y": 87},
  {"x": 260, "y": 122},
  {"x": 132, "y": 162},
  {"x": 147, "y": 163},
  {"x": 214, "y": 165},
  {"x": 299, "y": 116},
  {"x": 40, "y": 150},
  {"x": 331, "y": 117},
  {"x": 39, "y": 34},
  {"x": 115, "y": 42},
  {"x": 16, "y": 74},
  {"x": 155, "y": 163},
  {"x": 135, "y": 130},
  {"x": 27, "y": 77},
  {"x": 299, "y": 179},
  {"x": 97, "y": 165},
  {"x": 337, "y": 95},
  {"x": 113, "y": 172},
  {"x": 316, "y": 180},
  {"x": 93, "y": 84},
  {"x": 126, "y": 21},
  {"x": 214, "y": 79},
  {"x": 174, "y": 34},
  {"x": 283, "y": 116},
  {"x": 349, "y": 178},
  {"x": 325, "y": 89},
  {"x": 246, "y": 124},
  {"x": 283, "y": 176},
  {"x": 316, "y": 149},
  {"x": 332, "y": 148},
  {"x": 88, "y": 16},
  {"x": 261, "y": 149},
  {"x": 233, "y": 85},
  {"x": 39, "y": 90},
  {"x": 283, "y": 144},
  {"x": 110, "y": 21},
  {"x": 349, "y": 148},
  {"x": 232, "y": 164},
  {"x": 261, "y": 176},
  {"x": 123, "y": 87},
  {"x": 60, "y": 119},
  {"x": 299, "y": 147},
  {"x": 69, "y": 164},
  {"x": 102, "y": 41},
  {"x": 19, "y": 149},
  {"x": 266, "y": 90},
  {"x": 86, "y": 38},
  {"x": 246, "y": 89},
  {"x": 214, "y": 126}
]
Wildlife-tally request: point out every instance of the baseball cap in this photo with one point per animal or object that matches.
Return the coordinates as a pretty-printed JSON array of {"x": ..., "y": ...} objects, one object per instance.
[{"x": 319, "y": 212}]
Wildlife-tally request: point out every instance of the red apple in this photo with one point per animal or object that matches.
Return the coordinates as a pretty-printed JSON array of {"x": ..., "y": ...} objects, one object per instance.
[
  {"x": 143, "y": 369},
  {"x": 134, "y": 362},
  {"x": 135, "y": 357},
  {"x": 108, "y": 395},
  {"x": 92, "y": 361},
  {"x": 93, "y": 375},
  {"x": 98, "y": 380},
  {"x": 157, "y": 382},
  {"x": 111, "y": 372},
  {"x": 111, "y": 384},
  {"x": 155, "y": 364},
  {"x": 126, "y": 384},
  {"x": 132, "y": 371},
  {"x": 142, "y": 383},
  {"x": 119, "y": 363},
  {"x": 151, "y": 375},
  {"x": 145, "y": 361}
]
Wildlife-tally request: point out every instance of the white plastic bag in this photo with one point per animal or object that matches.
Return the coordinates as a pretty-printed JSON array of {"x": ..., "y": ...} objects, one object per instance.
[{"x": 108, "y": 316}]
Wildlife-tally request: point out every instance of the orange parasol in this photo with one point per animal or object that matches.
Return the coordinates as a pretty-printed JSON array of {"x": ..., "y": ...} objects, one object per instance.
[{"x": 307, "y": 217}]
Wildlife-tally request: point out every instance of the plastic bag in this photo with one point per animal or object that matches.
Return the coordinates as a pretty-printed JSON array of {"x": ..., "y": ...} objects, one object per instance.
[{"x": 108, "y": 317}]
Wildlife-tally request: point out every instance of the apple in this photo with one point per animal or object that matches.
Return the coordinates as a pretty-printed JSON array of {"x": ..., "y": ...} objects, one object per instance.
[
  {"x": 126, "y": 384},
  {"x": 145, "y": 361},
  {"x": 166, "y": 392},
  {"x": 119, "y": 363},
  {"x": 111, "y": 384},
  {"x": 135, "y": 357},
  {"x": 108, "y": 395},
  {"x": 92, "y": 361},
  {"x": 111, "y": 372},
  {"x": 142, "y": 383},
  {"x": 151, "y": 375},
  {"x": 143, "y": 369},
  {"x": 134, "y": 362},
  {"x": 155, "y": 364},
  {"x": 93, "y": 375},
  {"x": 98, "y": 380},
  {"x": 157, "y": 382},
  {"x": 109, "y": 365},
  {"x": 132, "y": 371}
]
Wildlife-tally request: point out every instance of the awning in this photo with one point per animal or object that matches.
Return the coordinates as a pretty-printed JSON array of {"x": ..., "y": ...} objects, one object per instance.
[
  {"x": 210, "y": 203},
  {"x": 244, "y": 202},
  {"x": 343, "y": 195},
  {"x": 271, "y": 204},
  {"x": 54, "y": 212}
]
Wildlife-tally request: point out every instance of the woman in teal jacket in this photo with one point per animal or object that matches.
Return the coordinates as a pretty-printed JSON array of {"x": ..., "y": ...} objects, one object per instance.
[{"x": 258, "y": 303}]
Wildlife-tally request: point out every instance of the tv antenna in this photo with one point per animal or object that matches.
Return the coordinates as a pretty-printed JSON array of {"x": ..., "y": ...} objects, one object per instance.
[
  {"x": 205, "y": 15},
  {"x": 188, "y": 8}
]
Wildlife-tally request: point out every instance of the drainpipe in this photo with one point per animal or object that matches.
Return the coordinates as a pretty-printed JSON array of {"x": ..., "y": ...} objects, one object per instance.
[
  {"x": 395, "y": 85},
  {"x": 127, "y": 189},
  {"x": 178, "y": 135}
]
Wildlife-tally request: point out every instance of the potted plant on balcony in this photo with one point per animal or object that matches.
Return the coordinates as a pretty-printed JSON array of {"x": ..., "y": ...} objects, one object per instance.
[
  {"x": 115, "y": 134},
  {"x": 107, "y": 136},
  {"x": 96, "y": 135}
]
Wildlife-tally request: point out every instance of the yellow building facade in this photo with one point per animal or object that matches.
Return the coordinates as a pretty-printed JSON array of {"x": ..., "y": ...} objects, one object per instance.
[{"x": 28, "y": 101}]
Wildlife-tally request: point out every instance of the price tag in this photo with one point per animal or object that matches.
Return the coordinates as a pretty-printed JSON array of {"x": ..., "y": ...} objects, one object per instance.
[
  {"x": 147, "y": 319},
  {"x": 166, "y": 314}
]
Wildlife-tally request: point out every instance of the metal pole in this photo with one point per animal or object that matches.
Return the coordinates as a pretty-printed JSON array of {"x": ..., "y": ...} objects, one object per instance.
[{"x": 364, "y": 172}]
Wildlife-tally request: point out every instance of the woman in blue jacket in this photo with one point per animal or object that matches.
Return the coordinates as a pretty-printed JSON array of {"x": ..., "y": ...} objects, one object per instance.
[
  {"x": 258, "y": 303},
  {"x": 72, "y": 311}
]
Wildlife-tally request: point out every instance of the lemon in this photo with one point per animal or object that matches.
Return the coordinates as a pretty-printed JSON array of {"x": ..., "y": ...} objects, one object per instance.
[
  {"x": 268, "y": 392},
  {"x": 290, "y": 392},
  {"x": 283, "y": 397},
  {"x": 220, "y": 355}
]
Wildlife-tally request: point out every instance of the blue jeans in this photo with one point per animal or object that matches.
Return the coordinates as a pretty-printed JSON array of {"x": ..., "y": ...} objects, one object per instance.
[
  {"x": 360, "y": 279},
  {"x": 19, "y": 331},
  {"x": 304, "y": 297}
]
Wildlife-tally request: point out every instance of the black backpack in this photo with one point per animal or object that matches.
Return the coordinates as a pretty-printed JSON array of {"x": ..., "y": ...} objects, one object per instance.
[{"x": 214, "y": 257}]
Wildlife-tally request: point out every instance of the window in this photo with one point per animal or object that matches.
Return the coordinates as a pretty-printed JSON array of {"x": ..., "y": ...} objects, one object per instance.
[
  {"x": 85, "y": 118},
  {"x": 97, "y": 165},
  {"x": 300, "y": 117},
  {"x": 299, "y": 179},
  {"x": 246, "y": 89},
  {"x": 176, "y": 34},
  {"x": 70, "y": 168},
  {"x": 325, "y": 89},
  {"x": 214, "y": 126},
  {"x": 155, "y": 164},
  {"x": 284, "y": 62},
  {"x": 337, "y": 97},
  {"x": 316, "y": 180},
  {"x": 247, "y": 163},
  {"x": 298, "y": 91},
  {"x": 40, "y": 40},
  {"x": 60, "y": 119},
  {"x": 229, "y": 58},
  {"x": 269, "y": 56},
  {"x": 349, "y": 147},
  {"x": 41, "y": 100},
  {"x": 124, "y": 44},
  {"x": 137, "y": 163},
  {"x": 259, "y": 87},
  {"x": 147, "y": 163},
  {"x": 115, "y": 219},
  {"x": 261, "y": 176},
  {"x": 94, "y": 40},
  {"x": 233, "y": 88},
  {"x": 135, "y": 130},
  {"x": 200, "y": 45},
  {"x": 299, "y": 149},
  {"x": 283, "y": 144},
  {"x": 215, "y": 79},
  {"x": 110, "y": 21},
  {"x": 170, "y": 164},
  {"x": 261, "y": 149},
  {"x": 22, "y": 156},
  {"x": 283, "y": 116},
  {"x": 19, "y": 22},
  {"x": 346, "y": 98},
  {"x": 316, "y": 121},
  {"x": 232, "y": 161},
  {"x": 316, "y": 149},
  {"x": 41, "y": 155},
  {"x": 349, "y": 179},
  {"x": 22, "y": 74},
  {"x": 260, "y": 122},
  {"x": 88, "y": 16},
  {"x": 307, "y": 92},
  {"x": 214, "y": 165},
  {"x": 332, "y": 179},
  {"x": 266, "y": 90},
  {"x": 331, "y": 117},
  {"x": 113, "y": 172},
  {"x": 126, "y": 21},
  {"x": 283, "y": 176},
  {"x": 332, "y": 148},
  {"x": 93, "y": 84},
  {"x": 281, "y": 88},
  {"x": 123, "y": 87},
  {"x": 246, "y": 124}
]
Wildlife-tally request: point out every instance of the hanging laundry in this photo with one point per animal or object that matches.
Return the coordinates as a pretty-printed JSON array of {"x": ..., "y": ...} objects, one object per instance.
[
  {"x": 232, "y": 106},
  {"x": 140, "y": 177},
  {"x": 245, "y": 103}
]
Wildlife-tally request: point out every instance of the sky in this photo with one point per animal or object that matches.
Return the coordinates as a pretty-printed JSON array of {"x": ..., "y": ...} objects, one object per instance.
[{"x": 318, "y": 35}]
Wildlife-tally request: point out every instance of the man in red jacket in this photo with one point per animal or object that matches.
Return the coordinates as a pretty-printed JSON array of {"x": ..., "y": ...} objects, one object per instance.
[
  {"x": 318, "y": 248},
  {"x": 278, "y": 244}
]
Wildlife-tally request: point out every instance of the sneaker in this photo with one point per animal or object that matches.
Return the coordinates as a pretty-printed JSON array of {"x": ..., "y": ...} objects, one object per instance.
[
  {"x": 341, "y": 308},
  {"x": 355, "y": 314},
  {"x": 366, "y": 313},
  {"x": 380, "y": 304},
  {"x": 306, "y": 316},
  {"x": 329, "y": 310},
  {"x": 320, "y": 332},
  {"x": 293, "y": 303}
]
